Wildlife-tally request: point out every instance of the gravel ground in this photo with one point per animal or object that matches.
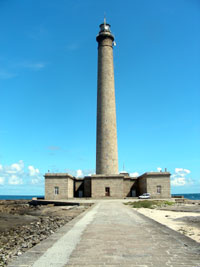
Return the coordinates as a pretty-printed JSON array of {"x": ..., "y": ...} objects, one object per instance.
[{"x": 22, "y": 226}]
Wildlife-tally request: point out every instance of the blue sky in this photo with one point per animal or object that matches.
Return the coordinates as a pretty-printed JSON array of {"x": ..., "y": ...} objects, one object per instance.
[{"x": 48, "y": 86}]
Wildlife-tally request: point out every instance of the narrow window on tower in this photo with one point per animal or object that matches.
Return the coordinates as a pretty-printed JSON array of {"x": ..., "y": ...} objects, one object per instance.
[
  {"x": 158, "y": 189},
  {"x": 56, "y": 190}
]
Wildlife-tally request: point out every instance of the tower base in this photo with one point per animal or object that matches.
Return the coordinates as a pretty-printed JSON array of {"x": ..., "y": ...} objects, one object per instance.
[{"x": 103, "y": 186}]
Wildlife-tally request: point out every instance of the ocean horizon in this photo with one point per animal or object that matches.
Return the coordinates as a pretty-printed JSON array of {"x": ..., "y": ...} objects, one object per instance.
[
  {"x": 195, "y": 196},
  {"x": 17, "y": 197}
]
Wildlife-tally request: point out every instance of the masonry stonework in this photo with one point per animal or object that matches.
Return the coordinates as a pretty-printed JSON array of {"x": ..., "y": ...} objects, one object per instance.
[
  {"x": 155, "y": 183},
  {"x": 106, "y": 144},
  {"x": 114, "y": 183},
  {"x": 78, "y": 187},
  {"x": 130, "y": 187},
  {"x": 59, "y": 186},
  {"x": 87, "y": 186}
]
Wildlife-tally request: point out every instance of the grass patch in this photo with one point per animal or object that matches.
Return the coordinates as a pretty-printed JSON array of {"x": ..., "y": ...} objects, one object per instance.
[{"x": 150, "y": 204}]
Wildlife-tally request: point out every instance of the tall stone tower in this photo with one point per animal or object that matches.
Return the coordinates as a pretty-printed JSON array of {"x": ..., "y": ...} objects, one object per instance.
[{"x": 106, "y": 143}]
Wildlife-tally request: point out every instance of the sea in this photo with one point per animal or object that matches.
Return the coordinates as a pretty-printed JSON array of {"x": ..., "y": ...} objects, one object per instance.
[
  {"x": 14, "y": 197},
  {"x": 189, "y": 196}
]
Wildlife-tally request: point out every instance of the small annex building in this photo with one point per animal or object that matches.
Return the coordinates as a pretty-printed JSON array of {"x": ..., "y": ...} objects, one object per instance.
[{"x": 59, "y": 186}]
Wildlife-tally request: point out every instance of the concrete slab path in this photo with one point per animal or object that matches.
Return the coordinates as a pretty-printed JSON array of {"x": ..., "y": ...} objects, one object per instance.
[{"x": 112, "y": 234}]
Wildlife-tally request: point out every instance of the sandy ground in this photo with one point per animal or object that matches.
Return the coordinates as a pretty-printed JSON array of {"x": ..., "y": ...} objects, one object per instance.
[{"x": 185, "y": 222}]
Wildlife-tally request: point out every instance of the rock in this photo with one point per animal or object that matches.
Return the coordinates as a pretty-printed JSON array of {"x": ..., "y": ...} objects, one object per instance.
[{"x": 19, "y": 239}]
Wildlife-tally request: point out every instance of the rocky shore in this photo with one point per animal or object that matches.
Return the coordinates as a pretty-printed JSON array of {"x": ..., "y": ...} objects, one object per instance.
[{"x": 22, "y": 225}]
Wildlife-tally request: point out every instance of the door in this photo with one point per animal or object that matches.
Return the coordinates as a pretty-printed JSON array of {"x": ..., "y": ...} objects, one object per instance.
[
  {"x": 133, "y": 193},
  {"x": 80, "y": 193},
  {"x": 107, "y": 191}
]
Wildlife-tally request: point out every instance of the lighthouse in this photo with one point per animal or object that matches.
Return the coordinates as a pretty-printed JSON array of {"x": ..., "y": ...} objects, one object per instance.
[{"x": 106, "y": 136}]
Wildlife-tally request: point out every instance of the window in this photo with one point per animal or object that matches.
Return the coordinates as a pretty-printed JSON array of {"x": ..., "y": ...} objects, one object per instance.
[
  {"x": 56, "y": 190},
  {"x": 158, "y": 189}
]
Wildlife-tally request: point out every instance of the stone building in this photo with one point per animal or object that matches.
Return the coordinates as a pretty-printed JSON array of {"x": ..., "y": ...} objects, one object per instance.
[
  {"x": 107, "y": 182},
  {"x": 65, "y": 186}
]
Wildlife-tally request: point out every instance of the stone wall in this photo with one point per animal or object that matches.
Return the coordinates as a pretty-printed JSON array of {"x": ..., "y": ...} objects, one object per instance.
[
  {"x": 130, "y": 185},
  {"x": 152, "y": 184},
  {"x": 87, "y": 187},
  {"x": 64, "y": 183},
  {"x": 113, "y": 182},
  {"x": 155, "y": 183},
  {"x": 70, "y": 187},
  {"x": 106, "y": 146},
  {"x": 78, "y": 187},
  {"x": 142, "y": 185}
]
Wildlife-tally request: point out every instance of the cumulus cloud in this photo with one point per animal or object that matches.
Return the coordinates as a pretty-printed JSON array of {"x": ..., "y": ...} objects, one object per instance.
[
  {"x": 15, "y": 180},
  {"x": 33, "y": 171},
  {"x": 134, "y": 174},
  {"x": 2, "y": 180},
  {"x": 35, "y": 175},
  {"x": 36, "y": 180},
  {"x": 79, "y": 173},
  {"x": 14, "y": 168},
  {"x": 179, "y": 178},
  {"x": 18, "y": 167},
  {"x": 17, "y": 174},
  {"x": 182, "y": 171}
]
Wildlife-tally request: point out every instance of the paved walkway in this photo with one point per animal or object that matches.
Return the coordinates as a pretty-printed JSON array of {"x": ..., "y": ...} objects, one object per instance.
[{"x": 112, "y": 234}]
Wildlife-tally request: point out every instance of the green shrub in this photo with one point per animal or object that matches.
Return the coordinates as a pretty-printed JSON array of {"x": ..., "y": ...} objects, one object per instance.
[{"x": 150, "y": 204}]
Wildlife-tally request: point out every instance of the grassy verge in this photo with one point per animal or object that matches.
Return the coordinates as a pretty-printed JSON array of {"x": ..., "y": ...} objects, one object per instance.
[{"x": 150, "y": 204}]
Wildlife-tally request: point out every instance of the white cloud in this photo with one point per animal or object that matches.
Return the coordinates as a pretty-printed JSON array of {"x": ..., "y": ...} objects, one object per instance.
[
  {"x": 159, "y": 169},
  {"x": 15, "y": 180},
  {"x": 181, "y": 170},
  {"x": 2, "y": 180},
  {"x": 14, "y": 168},
  {"x": 35, "y": 180},
  {"x": 35, "y": 175},
  {"x": 134, "y": 174},
  {"x": 17, "y": 174},
  {"x": 33, "y": 171},
  {"x": 18, "y": 166},
  {"x": 179, "y": 178},
  {"x": 79, "y": 173},
  {"x": 178, "y": 181}
]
